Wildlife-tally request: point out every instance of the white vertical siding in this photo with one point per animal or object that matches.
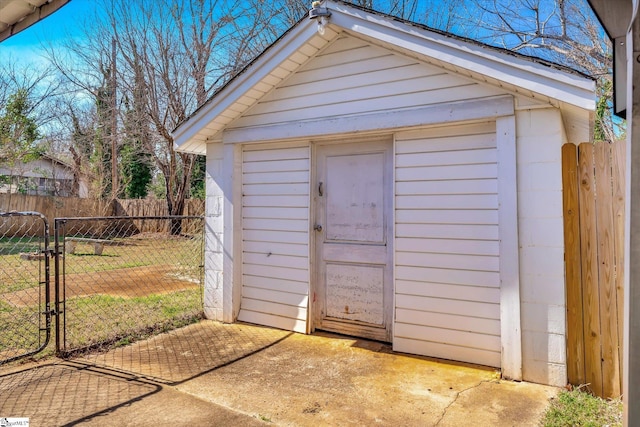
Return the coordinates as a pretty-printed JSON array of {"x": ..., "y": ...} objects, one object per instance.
[
  {"x": 447, "y": 278},
  {"x": 275, "y": 237},
  {"x": 541, "y": 245},
  {"x": 353, "y": 77}
]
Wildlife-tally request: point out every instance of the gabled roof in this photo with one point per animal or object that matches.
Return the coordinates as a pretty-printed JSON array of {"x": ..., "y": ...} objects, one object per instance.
[
  {"x": 513, "y": 72},
  {"x": 57, "y": 160}
]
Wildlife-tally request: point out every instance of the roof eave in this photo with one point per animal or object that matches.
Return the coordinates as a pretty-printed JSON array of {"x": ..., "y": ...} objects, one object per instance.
[
  {"x": 615, "y": 17},
  {"x": 230, "y": 93},
  {"x": 542, "y": 78},
  {"x": 37, "y": 14}
]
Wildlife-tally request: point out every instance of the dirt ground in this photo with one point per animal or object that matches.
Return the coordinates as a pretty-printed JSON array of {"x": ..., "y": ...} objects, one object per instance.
[{"x": 124, "y": 283}]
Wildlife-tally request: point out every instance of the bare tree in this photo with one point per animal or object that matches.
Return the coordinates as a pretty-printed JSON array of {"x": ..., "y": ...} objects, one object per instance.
[
  {"x": 175, "y": 54},
  {"x": 171, "y": 56},
  {"x": 26, "y": 97},
  {"x": 38, "y": 83},
  {"x": 565, "y": 32},
  {"x": 86, "y": 107},
  {"x": 439, "y": 14},
  {"x": 289, "y": 12}
]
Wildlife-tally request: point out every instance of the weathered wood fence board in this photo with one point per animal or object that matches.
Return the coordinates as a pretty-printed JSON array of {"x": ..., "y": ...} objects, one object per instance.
[
  {"x": 589, "y": 268},
  {"x": 151, "y": 208},
  {"x": 606, "y": 264},
  {"x": 593, "y": 183},
  {"x": 144, "y": 207},
  {"x": 64, "y": 207},
  {"x": 51, "y": 206}
]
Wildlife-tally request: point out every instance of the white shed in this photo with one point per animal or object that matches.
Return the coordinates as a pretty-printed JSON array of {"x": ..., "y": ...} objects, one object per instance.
[{"x": 376, "y": 178}]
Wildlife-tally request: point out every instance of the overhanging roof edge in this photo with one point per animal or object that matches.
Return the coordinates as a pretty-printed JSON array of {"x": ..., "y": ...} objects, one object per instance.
[
  {"x": 38, "y": 14},
  {"x": 348, "y": 17}
]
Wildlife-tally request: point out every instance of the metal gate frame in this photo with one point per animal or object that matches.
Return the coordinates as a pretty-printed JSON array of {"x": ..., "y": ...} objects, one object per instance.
[
  {"x": 63, "y": 349},
  {"x": 47, "y": 313},
  {"x": 56, "y": 308}
]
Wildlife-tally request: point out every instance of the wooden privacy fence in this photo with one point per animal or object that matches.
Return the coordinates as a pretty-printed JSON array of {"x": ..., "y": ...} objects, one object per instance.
[
  {"x": 65, "y": 207},
  {"x": 51, "y": 206},
  {"x": 153, "y": 208},
  {"x": 593, "y": 199},
  {"x": 146, "y": 207}
]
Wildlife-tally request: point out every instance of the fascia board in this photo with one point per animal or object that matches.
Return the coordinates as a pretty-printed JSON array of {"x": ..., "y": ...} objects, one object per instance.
[
  {"x": 244, "y": 82},
  {"x": 614, "y": 15}
]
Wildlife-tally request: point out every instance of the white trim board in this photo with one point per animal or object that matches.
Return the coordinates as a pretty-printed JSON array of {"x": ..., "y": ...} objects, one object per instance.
[
  {"x": 511, "y": 331},
  {"x": 478, "y": 109}
]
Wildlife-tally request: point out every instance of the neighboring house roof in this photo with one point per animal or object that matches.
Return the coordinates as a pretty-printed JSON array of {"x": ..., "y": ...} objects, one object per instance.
[
  {"x": 17, "y": 15},
  {"x": 58, "y": 161},
  {"x": 43, "y": 159},
  {"x": 513, "y": 72},
  {"x": 46, "y": 175}
]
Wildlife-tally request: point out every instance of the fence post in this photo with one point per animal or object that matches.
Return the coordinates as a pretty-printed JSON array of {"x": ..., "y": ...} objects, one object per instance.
[
  {"x": 575, "y": 337},
  {"x": 58, "y": 295}
]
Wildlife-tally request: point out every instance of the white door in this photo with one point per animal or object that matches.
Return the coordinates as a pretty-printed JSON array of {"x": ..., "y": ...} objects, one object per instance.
[{"x": 353, "y": 192}]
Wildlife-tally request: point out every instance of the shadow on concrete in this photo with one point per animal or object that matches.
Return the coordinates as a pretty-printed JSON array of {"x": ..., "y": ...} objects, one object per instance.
[
  {"x": 183, "y": 354},
  {"x": 237, "y": 374},
  {"x": 61, "y": 394},
  {"x": 94, "y": 388}
]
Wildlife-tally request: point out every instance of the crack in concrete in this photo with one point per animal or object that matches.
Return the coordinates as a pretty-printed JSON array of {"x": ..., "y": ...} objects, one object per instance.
[{"x": 444, "y": 411}]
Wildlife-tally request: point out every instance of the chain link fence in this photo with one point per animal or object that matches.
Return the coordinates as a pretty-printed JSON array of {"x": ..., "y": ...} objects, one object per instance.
[
  {"x": 24, "y": 286},
  {"x": 123, "y": 279}
]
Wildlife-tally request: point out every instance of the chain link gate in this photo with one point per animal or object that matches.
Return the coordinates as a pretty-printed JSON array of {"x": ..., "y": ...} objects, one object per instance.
[
  {"x": 25, "y": 290},
  {"x": 117, "y": 280},
  {"x": 123, "y": 279}
]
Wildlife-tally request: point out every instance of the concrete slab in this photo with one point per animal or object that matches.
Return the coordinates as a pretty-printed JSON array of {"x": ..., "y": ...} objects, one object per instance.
[
  {"x": 61, "y": 394},
  {"x": 188, "y": 352},
  {"x": 328, "y": 379},
  {"x": 216, "y": 374},
  {"x": 499, "y": 403}
]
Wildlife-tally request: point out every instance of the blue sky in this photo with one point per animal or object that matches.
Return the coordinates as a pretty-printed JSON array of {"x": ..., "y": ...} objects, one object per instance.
[{"x": 26, "y": 46}]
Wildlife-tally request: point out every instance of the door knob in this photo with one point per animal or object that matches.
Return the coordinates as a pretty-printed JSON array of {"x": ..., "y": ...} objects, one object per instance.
[{"x": 317, "y": 227}]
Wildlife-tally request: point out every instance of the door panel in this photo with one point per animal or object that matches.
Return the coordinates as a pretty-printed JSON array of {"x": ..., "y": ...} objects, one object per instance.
[
  {"x": 355, "y": 292},
  {"x": 355, "y": 203},
  {"x": 353, "y": 199}
]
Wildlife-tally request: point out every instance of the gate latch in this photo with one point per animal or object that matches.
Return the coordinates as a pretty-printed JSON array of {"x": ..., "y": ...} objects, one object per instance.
[{"x": 49, "y": 253}]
